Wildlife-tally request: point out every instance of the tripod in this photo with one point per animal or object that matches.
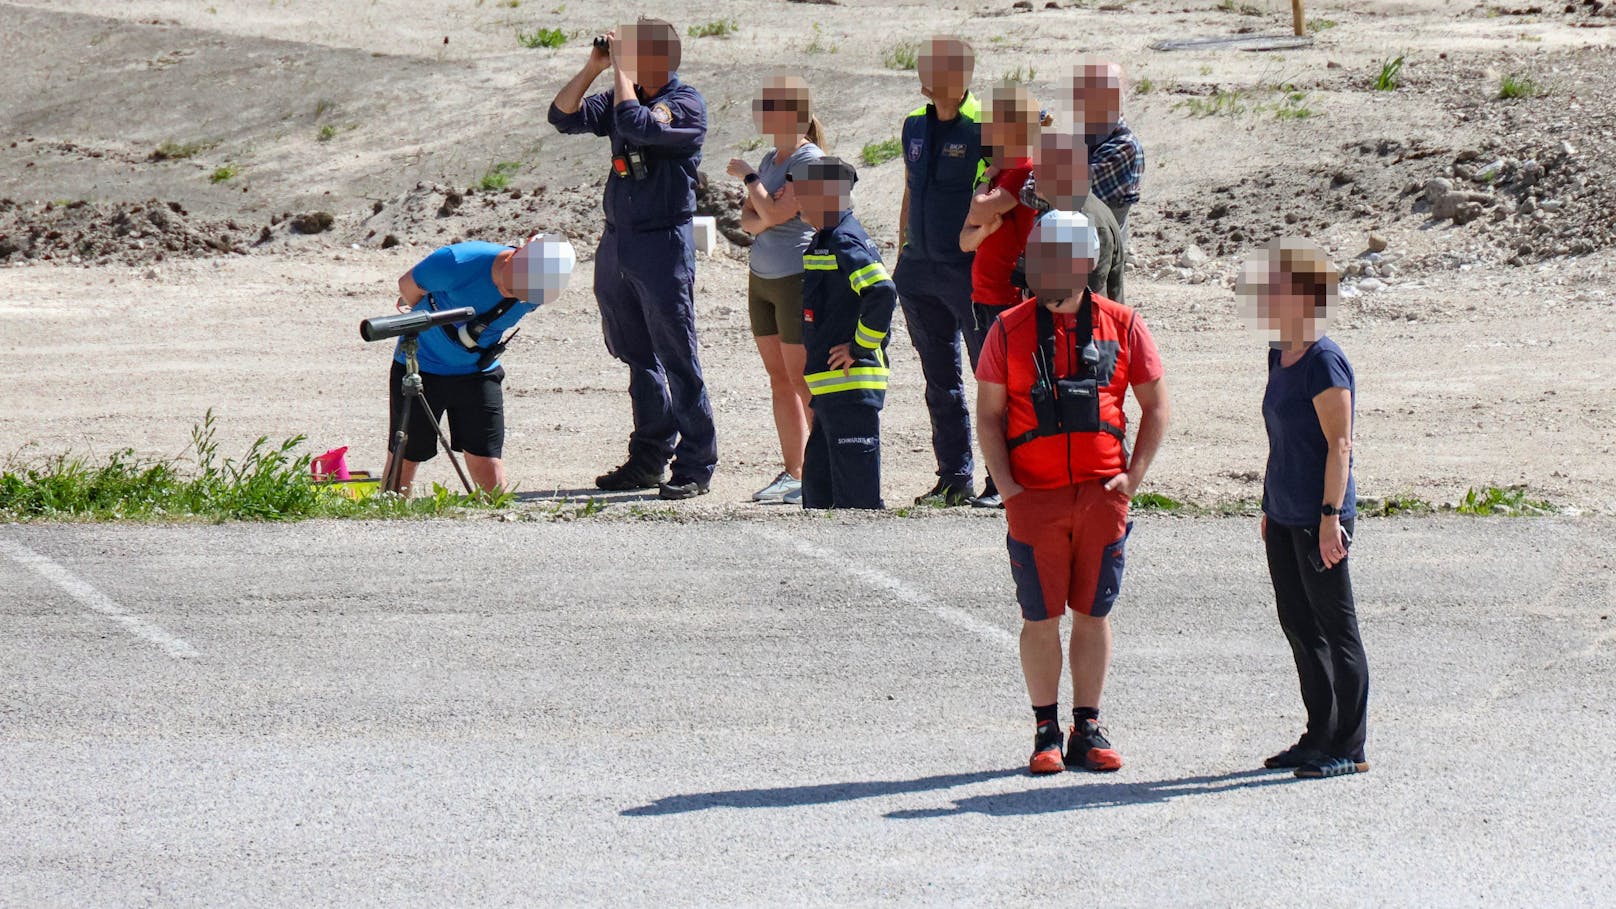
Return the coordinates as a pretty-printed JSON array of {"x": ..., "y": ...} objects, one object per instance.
[{"x": 413, "y": 392}]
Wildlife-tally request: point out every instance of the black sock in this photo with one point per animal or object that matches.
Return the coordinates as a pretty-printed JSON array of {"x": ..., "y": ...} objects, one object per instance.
[
  {"x": 1046, "y": 714},
  {"x": 1079, "y": 714}
]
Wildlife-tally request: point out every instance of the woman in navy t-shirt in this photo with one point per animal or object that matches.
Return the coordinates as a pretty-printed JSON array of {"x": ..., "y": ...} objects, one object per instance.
[{"x": 1309, "y": 507}]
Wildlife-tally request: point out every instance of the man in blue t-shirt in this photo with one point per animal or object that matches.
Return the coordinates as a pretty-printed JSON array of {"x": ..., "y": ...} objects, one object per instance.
[
  {"x": 645, "y": 267},
  {"x": 459, "y": 363}
]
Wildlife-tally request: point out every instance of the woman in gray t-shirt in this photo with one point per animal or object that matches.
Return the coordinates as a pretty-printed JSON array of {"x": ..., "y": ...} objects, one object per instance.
[{"x": 774, "y": 288}]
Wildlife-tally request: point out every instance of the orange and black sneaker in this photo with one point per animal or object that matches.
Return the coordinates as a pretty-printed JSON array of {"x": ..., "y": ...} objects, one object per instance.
[
  {"x": 1046, "y": 750},
  {"x": 1088, "y": 748}
]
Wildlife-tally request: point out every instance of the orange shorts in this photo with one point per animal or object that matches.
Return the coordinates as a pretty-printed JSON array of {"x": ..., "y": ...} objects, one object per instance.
[{"x": 1067, "y": 549}]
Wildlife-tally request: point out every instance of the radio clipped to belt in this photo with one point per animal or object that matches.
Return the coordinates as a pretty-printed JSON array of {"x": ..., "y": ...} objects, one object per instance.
[
  {"x": 1067, "y": 404},
  {"x": 630, "y": 164}
]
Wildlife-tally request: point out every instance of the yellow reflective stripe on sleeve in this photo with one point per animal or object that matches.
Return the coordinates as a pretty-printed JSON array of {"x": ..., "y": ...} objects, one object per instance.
[
  {"x": 812, "y": 262},
  {"x": 868, "y": 337},
  {"x": 868, "y": 276}
]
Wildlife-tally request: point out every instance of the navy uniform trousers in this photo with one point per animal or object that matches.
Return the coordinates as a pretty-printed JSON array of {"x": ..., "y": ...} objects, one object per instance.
[
  {"x": 644, "y": 284},
  {"x": 841, "y": 467},
  {"x": 936, "y": 301}
]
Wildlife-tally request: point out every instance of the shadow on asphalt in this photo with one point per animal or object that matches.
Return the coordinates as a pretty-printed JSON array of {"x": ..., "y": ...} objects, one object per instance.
[
  {"x": 824, "y": 794},
  {"x": 1050, "y": 799}
]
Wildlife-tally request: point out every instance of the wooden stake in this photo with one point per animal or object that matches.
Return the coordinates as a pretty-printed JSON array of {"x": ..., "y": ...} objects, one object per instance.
[{"x": 1297, "y": 19}]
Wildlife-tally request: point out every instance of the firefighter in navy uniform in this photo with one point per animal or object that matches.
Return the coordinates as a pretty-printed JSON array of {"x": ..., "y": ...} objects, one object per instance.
[
  {"x": 942, "y": 153},
  {"x": 645, "y": 267},
  {"x": 848, "y": 301}
]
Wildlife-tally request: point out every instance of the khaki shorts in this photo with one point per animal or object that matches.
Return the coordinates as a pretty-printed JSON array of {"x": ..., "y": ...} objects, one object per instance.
[{"x": 775, "y": 305}]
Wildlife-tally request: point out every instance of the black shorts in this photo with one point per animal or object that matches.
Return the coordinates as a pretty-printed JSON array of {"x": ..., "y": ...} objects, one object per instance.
[{"x": 476, "y": 406}]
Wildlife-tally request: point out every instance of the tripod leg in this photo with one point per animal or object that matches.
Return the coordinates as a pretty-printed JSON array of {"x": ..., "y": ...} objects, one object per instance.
[
  {"x": 395, "y": 458},
  {"x": 461, "y": 471}
]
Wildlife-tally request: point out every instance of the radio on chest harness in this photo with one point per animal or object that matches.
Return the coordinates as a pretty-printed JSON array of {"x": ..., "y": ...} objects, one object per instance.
[{"x": 1069, "y": 404}]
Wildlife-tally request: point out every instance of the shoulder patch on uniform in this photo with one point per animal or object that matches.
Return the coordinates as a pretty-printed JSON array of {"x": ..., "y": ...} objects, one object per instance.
[
  {"x": 662, "y": 113},
  {"x": 914, "y": 149}
]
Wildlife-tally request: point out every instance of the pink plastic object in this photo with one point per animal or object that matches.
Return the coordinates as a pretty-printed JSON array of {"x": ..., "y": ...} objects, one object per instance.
[{"x": 333, "y": 465}]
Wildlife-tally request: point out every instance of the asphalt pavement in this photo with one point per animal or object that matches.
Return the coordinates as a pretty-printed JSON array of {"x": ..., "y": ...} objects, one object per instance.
[{"x": 787, "y": 710}]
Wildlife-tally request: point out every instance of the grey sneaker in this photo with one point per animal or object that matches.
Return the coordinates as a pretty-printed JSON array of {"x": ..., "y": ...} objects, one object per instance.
[
  {"x": 776, "y": 492},
  {"x": 794, "y": 497}
]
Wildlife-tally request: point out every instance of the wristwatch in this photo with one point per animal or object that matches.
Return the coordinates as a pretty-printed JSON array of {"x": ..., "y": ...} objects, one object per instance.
[
  {"x": 751, "y": 178},
  {"x": 1327, "y": 509}
]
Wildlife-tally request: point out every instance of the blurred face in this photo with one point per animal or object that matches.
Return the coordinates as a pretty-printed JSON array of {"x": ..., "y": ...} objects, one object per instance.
[
  {"x": 1271, "y": 305},
  {"x": 650, "y": 54},
  {"x": 1056, "y": 274},
  {"x": 823, "y": 201},
  {"x": 541, "y": 267},
  {"x": 781, "y": 109},
  {"x": 1009, "y": 127},
  {"x": 945, "y": 70},
  {"x": 1062, "y": 168},
  {"x": 1097, "y": 97}
]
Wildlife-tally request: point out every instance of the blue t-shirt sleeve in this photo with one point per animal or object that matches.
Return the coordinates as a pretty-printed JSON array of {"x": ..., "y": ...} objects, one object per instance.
[
  {"x": 1329, "y": 370},
  {"x": 433, "y": 274}
]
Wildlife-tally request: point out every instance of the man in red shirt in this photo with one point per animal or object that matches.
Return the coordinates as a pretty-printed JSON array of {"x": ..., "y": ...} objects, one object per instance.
[
  {"x": 1051, "y": 381},
  {"x": 997, "y": 224}
]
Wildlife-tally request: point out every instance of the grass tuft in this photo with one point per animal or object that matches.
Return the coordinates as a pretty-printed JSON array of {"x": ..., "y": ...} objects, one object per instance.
[
  {"x": 541, "y": 37},
  {"x": 1294, "y": 107},
  {"x": 327, "y": 132},
  {"x": 1221, "y": 103},
  {"x": 1516, "y": 86},
  {"x": 718, "y": 28},
  {"x": 270, "y": 482},
  {"x": 223, "y": 174},
  {"x": 901, "y": 56},
  {"x": 875, "y": 154},
  {"x": 818, "y": 45},
  {"x": 1390, "y": 75},
  {"x": 1508, "y": 501},
  {"x": 498, "y": 176},
  {"x": 179, "y": 151}
]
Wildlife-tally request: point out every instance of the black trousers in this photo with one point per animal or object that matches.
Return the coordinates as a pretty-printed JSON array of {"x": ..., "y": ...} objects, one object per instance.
[
  {"x": 841, "y": 466},
  {"x": 1316, "y": 611}
]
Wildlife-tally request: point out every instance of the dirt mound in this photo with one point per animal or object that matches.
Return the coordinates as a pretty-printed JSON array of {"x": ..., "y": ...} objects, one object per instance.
[{"x": 102, "y": 233}]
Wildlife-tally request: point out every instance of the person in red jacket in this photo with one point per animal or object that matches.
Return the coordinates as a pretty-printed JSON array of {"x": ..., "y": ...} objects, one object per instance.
[
  {"x": 1051, "y": 382},
  {"x": 998, "y": 222}
]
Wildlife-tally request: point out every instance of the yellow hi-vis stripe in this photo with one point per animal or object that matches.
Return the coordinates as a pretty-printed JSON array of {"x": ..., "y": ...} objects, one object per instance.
[
  {"x": 819, "y": 263},
  {"x": 859, "y": 378},
  {"x": 868, "y": 276},
  {"x": 868, "y": 337}
]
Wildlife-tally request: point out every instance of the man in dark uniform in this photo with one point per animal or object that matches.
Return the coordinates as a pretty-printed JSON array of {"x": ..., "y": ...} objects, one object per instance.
[
  {"x": 942, "y": 153},
  {"x": 645, "y": 267}
]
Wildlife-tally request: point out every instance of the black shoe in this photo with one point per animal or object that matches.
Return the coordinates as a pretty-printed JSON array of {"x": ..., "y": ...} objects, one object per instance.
[
  {"x": 1046, "y": 750},
  {"x": 1297, "y": 755},
  {"x": 686, "y": 489},
  {"x": 1331, "y": 766},
  {"x": 947, "y": 494},
  {"x": 1090, "y": 749},
  {"x": 988, "y": 500},
  {"x": 629, "y": 477}
]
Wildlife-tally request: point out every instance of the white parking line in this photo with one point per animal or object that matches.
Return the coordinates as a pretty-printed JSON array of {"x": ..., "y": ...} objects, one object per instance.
[
  {"x": 908, "y": 594},
  {"x": 95, "y": 599}
]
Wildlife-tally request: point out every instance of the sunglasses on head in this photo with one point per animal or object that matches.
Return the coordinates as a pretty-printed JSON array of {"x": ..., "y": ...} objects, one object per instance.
[{"x": 770, "y": 105}]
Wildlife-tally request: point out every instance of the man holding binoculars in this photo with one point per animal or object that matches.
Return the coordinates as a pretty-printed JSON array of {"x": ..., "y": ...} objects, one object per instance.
[
  {"x": 460, "y": 307},
  {"x": 1051, "y": 382},
  {"x": 645, "y": 268}
]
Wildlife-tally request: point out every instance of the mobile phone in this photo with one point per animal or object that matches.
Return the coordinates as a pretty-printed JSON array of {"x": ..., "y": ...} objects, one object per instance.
[{"x": 1317, "y": 562}]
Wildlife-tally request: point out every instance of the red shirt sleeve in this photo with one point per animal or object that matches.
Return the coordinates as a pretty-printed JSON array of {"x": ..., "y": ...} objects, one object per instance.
[
  {"x": 1144, "y": 363},
  {"x": 990, "y": 366}
]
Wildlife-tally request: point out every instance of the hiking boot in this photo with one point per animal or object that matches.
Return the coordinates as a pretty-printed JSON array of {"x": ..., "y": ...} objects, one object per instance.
[
  {"x": 989, "y": 498},
  {"x": 1330, "y": 766},
  {"x": 775, "y": 493},
  {"x": 682, "y": 489},
  {"x": 947, "y": 493},
  {"x": 1046, "y": 750},
  {"x": 1090, "y": 749},
  {"x": 1298, "y": 755},
  {"x": 629, "y": 477}
]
